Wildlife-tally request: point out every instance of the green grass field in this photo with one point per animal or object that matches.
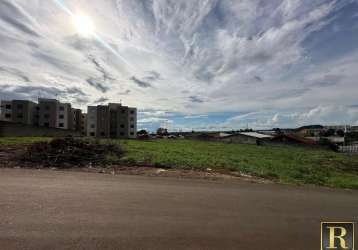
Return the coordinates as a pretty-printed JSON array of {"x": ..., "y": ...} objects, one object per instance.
[
  {"x": 284, "y": 164},
  {"x": 21, "y": 140}
]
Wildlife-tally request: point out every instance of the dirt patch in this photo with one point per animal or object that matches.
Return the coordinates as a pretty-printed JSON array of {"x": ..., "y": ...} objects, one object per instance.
[
  {"x": 9, "y": 154},
  {"x": 69, "y": 153},
  {"x": 175, "y": 173}
]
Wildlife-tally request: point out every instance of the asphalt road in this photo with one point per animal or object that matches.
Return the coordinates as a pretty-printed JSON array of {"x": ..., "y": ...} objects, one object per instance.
[{"x": 66, "y": 210}]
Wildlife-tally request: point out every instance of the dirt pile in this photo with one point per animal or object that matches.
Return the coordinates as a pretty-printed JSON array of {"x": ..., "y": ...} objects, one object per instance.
[{"x": 69, "y": 152}]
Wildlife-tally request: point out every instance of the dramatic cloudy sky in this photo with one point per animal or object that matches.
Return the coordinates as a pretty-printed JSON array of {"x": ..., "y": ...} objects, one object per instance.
[{"x": 188, "y": 64}]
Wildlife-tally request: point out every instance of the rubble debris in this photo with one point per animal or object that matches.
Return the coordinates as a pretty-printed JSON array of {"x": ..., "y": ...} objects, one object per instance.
[{"x": 69, "y": 152}]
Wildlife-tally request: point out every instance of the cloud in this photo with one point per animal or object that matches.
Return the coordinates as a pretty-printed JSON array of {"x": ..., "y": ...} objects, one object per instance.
[
  {"x": 15, "y": 16},
  {"x": 290, "y": 93},
  {"x": 126, "y": 92},
  {"x": 16, "y": 73},
  {"x": 188, "y": 57},
  {"x": 326, "y": 80},
  {"x": 98, "y": 84},
  {"x": 101, "y": 100},
  {"x": 152, "y": 76},
  {"x": 100, "y": 68},
  {"x": 196, "y": 99},
  {"x": 258, "y": 78},
  {"x": 195, "y": 116},
  {"x": 140, "y": 83},
  {"x": 71, "y": 94}
]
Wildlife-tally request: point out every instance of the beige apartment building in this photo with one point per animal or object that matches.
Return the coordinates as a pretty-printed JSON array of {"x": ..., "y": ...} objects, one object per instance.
[
  {"x": 64, "y": 116},
  {"x": 112, "y": 121},
  {"x": 6, "y": 111},
  {"x": 77, "y": 122},
  {"x": 84, "y": 124},
  {"x": 48, "y": 113},
  {"x": 18, "y": 111},
  {"x": 103, "y": 121}
]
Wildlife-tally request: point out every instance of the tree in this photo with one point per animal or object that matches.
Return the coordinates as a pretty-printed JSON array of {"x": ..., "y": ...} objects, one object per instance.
[
  {"x": 340, "y": 133},
  {"x": 278, "y": 131},
  {"x": 162, "y": 131},
  {"x": 330, "y": 132},
  {"x": 142, "y": 132}
]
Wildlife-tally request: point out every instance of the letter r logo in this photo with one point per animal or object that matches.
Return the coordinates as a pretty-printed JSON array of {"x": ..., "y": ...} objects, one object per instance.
[{"x": 337, "y": 236}]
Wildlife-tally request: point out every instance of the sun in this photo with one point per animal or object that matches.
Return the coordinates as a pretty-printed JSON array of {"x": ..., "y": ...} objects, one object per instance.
[{"x": 83, "y": 25}]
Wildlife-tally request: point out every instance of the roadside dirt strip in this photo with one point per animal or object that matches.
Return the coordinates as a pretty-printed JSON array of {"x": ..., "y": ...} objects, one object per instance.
[{"x": 44, "y": 209}]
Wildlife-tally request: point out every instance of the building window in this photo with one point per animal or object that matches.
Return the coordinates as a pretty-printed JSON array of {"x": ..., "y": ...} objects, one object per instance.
[
  {"x": 46, "y": 116},
  {"x": 123, "y": 111},
  {"x": 121, "y": 133},
  {"x": 37, "y": 108},
  {"x": 132, "y": 126},
  {"x": 131, "y": 119},
  {"x": 37, "y": 116},
  {"x": 47, "y": 107},
  {"x": 92, "y": 134},
  {"x": 132, "y": 112},
  {"x": 122, "y": 126},
  {"x": 8, "y": 106},
  {"x": 62, "y": 108},
  {"x": 7, "y": 115},
  {"x": 46, "y": 124},
  {"x": 61, "y": 116},
  {"x": 93, "y": 126},
  {"x": 103, "y": 134},
  {"x": 19, "y": 116},
  {"x": 61, "y": 125},
  {"x": 132, "y": 133}
]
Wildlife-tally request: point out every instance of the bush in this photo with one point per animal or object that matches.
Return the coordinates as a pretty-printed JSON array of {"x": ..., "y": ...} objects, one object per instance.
[{"x": 70, "y": 152}]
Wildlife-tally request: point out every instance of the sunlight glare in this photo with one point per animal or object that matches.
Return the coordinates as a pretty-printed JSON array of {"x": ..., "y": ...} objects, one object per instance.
[{"x": 83, "y": 25}]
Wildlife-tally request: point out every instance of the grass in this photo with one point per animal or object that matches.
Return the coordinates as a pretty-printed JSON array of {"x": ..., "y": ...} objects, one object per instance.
[
  {"x": 21, "y": 140},
  {"x": 284, "y": 164}
]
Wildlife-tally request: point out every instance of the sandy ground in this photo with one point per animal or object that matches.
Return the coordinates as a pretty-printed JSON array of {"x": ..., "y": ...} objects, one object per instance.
[{"x": 44, "y": 209}]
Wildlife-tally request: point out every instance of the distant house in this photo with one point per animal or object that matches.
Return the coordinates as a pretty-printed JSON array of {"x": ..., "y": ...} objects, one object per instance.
[
  {"x": 310, "y": 130},
  {"x": 293, "y": 139},
  {"x": 247, "y": 138}
]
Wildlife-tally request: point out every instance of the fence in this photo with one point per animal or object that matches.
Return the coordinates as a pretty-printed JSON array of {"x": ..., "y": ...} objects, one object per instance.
[{"x": 352, "y": 149}]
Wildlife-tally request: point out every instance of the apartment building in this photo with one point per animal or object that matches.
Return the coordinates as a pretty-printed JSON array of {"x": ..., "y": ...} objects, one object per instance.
[
  {"x": 64, "y": 116},
  {"x": 132, "y": 118},
  {"x": 18, "y": 111},
  {"x": 6, "y": 111},
  {"x": 91, "y": 121},
  {"x": 77, "y": 122},
  {"x": 84, "y": 124},
  {"x": 112, "y": 121},
  {"x": 103, "y": 121},
  {"x": 47, "y": 111}
]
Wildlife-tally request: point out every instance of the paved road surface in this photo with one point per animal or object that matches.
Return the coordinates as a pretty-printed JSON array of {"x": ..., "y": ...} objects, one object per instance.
[{"x": 65, "y": 210}]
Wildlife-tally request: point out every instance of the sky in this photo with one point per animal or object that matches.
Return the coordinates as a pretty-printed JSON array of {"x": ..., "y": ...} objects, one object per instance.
[{"x": 188, "y": 65}]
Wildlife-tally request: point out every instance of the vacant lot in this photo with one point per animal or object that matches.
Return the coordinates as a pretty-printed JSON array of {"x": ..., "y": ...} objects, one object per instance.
[
  {"x": 279, "y": 163},
  {"x": 283, "y": 164}
]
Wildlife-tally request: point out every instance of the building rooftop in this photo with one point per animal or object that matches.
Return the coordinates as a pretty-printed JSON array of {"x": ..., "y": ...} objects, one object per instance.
[
  {"x": 256, "y": 135},
  {"x": 47, "y": 100}
]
